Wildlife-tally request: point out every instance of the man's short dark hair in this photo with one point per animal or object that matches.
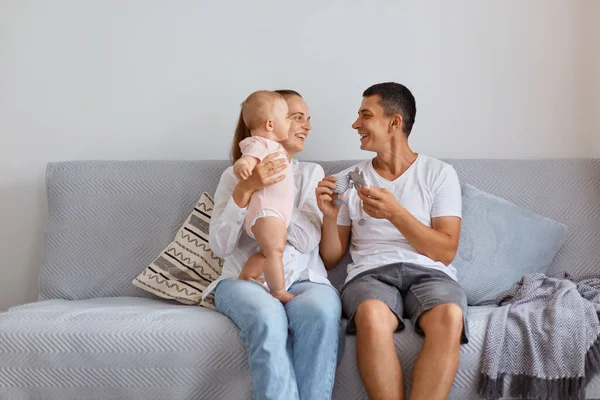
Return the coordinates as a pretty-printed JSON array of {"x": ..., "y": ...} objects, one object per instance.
[{"x": 395, "y": 99}]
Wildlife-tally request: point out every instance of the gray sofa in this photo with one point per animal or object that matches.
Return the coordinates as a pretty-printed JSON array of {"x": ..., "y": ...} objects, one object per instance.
[{"x": 93, "y": 335}]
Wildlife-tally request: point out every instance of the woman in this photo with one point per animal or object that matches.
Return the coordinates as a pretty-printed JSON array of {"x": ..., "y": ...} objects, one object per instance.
[{"x": 292, "y": 348}]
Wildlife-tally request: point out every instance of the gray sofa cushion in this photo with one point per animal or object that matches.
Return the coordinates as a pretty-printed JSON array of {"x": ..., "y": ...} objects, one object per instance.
[
  {"x": 120, "y": 348},
  {"x": 499, "y": 243},
  {"x": 133, "y": 348},
  {"x": 109, "y": 219}
]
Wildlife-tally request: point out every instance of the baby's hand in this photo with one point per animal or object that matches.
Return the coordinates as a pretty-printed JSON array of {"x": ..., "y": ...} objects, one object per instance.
[{"x": 242, "y": 170}]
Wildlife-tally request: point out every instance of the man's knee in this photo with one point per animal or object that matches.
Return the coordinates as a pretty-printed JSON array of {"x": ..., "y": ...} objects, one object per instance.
[
  {"x": 443, "y": 319},
  {"x": 374, "y": 316}
]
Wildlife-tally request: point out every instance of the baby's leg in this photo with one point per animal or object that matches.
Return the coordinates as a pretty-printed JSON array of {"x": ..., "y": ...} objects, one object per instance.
[
  {"x": 271, "y": 235},
  {"x": 254, "y": 267}
]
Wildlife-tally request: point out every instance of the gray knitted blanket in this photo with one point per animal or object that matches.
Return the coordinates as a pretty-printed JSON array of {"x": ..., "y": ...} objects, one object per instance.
[{"x": 544, "y": 336}]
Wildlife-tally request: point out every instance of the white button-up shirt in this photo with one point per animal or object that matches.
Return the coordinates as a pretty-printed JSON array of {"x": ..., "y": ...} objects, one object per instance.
[{"x": 301, "y": 259}]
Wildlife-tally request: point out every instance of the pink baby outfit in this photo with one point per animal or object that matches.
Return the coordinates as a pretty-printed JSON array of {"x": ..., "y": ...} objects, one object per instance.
[{"x": 274, "y": 200}]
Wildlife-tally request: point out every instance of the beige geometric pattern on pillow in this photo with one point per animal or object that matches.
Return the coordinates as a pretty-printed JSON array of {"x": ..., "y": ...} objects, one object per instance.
[{"x": 187, "y": 266}]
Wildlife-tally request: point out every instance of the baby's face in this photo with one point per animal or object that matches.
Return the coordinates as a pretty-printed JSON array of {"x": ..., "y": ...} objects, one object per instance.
[{"x": 281, "y": 122}]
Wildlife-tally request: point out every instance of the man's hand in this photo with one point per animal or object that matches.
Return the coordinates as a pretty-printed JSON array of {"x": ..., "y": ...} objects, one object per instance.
[
  {"x": 334, "y": 237},
  {"x": 325, "y": 198},
  {"x": 379, "y": 203},
  {"x": 439, "y": 242}
]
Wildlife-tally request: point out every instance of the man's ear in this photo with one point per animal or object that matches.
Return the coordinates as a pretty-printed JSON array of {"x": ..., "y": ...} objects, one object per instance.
[
  {"x": 269, "y": 125},
  {"x": 396, "y": 123}
]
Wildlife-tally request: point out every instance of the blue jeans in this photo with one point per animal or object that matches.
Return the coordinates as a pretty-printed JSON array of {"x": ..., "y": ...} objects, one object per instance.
[{"x": 288, "y": 360}]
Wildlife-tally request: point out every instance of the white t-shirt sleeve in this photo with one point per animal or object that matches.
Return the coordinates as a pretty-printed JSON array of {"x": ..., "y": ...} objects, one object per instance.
[
  {"x": 227, "y": 217},
  {"x": 344, "y": 215},
  {"x": 447, "y": 197}
]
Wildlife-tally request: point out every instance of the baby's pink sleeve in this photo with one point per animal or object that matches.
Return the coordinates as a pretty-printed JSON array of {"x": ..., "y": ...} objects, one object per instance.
[{"x": 255, "y": 148}]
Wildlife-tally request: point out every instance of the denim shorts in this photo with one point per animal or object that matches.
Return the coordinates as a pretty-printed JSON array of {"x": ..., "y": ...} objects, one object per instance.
[{"x": 407, "y": 289}]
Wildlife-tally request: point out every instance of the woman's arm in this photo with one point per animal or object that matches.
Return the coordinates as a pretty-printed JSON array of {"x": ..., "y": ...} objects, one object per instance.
[
  {"x": 228, "y": 214},
  {"x": 304, "y": 232}
]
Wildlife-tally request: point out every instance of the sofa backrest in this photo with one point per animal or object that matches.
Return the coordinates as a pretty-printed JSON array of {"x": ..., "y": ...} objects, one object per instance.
[{"x": 109, "y": 219}]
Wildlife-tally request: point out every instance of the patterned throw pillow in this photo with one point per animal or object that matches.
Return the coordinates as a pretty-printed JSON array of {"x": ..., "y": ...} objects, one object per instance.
[{"x": 187, "y": 266}]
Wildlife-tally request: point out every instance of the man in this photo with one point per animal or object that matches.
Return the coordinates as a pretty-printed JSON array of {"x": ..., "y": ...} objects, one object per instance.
[{"x": 404, "y": 231}]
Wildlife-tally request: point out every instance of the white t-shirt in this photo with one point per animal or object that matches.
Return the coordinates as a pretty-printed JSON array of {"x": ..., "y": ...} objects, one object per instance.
[{"x": 428, "y": 189}]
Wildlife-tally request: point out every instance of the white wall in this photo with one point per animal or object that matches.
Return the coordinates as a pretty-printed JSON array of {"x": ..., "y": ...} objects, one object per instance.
[
  {"x": 595, "y": 112},
  {"x": 151, "y": 79},
  {"x": 594, "y": 38},
  {"x": 590, "y": 81}
]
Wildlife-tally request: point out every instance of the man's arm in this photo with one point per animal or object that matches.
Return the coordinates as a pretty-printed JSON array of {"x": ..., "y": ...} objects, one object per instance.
[
  {"x": 334, "y": 242},
  {"x": 440, "y": 242}
]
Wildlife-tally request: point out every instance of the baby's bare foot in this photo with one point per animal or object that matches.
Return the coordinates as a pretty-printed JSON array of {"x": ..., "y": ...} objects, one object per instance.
[{"x": 282, "y": 296}]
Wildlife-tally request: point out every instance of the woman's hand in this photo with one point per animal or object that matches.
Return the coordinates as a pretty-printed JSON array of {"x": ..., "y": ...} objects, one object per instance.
[
  {"x": 325, "y": 198},
  {"x": 266, "y": 173}
]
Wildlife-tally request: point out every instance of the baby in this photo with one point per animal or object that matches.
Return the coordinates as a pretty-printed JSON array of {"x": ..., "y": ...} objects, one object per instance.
[{"x": 270, "y": 209}]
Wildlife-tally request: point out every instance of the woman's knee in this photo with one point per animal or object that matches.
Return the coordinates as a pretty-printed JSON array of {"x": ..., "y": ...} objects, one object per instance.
[
  {"x": 326, "y": 314},
  {"x": 321, "y": 309},
  {"x": 265, "y": 328},
  {"x": 269, "y": 316},
  {"x": 249, "y": 305}
]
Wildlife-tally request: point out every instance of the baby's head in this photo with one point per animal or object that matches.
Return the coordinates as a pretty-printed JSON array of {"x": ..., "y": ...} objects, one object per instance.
[{"x": 265, "y": 113}]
